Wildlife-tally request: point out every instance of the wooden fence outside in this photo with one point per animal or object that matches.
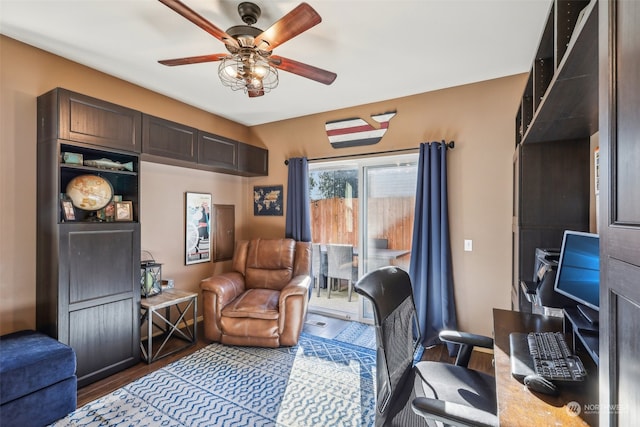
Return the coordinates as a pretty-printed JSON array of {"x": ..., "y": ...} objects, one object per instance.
[{"x": 336, "y": 220}]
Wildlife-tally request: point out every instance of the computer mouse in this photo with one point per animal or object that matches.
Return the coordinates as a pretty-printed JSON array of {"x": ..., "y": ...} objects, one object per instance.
[{"x": 540, "y": 384}]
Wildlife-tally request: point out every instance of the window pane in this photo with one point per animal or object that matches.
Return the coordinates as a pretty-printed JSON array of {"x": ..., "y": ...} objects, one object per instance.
[
  {"x": 366, "y": 203},
  {"x": 334, "y": 205},
  {"x": 389, "y": 211}
]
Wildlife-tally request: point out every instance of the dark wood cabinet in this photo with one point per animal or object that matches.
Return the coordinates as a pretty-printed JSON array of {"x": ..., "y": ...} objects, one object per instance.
[
  {"x": 252, "y": 160},
  {"x": 555, "y": 120},
  {"x": 168, "y": 140},
  {"x": 164, "y": 141},
  {"x": 217, "y": 153},
  {"x": 74, "y": 117},
  {"x": 551, "y": 194},
  {"x": 619, "y": 213},
  {"x": 87, "y": 269},
  {"x": 99, "y": 296},
  {"x": 224, "y": 232}
]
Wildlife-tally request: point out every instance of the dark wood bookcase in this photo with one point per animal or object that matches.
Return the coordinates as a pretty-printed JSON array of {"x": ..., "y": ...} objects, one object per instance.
[
  {"x": 88, "y": 271},
  {"x": 557, "y": 116}
]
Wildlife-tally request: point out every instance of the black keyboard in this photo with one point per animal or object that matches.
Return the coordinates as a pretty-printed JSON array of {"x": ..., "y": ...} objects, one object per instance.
[{"x": 545, "y": 354}]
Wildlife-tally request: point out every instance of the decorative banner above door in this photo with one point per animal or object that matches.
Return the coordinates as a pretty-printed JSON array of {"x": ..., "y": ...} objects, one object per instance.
[{"x": 355, "y": 131}]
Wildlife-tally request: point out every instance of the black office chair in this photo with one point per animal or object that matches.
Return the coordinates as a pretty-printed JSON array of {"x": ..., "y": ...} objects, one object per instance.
[{"x": 429, "y": 393}]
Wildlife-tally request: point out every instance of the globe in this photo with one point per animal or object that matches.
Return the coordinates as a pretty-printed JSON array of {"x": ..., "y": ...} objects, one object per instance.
[{"x": 89, "y": 192}]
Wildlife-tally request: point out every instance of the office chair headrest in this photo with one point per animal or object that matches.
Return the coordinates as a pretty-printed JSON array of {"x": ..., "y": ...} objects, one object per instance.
[{"x": 387, "y": 288}]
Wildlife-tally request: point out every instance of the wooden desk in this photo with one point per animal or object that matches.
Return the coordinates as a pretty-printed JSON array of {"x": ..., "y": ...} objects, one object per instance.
[{"x": 517, "y": 406}]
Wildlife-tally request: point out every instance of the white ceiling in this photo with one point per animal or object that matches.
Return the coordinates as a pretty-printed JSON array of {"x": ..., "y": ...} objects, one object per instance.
[{"x": 379, "y": 49}]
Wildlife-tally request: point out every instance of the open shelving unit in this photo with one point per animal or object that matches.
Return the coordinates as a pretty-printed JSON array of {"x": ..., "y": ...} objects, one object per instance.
[
  {"x": 556, "y": 118},
  {"x": 560, "y": 100}
]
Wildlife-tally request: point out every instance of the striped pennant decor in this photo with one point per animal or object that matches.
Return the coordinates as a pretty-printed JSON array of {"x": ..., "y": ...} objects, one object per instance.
[{"x": 355, "y": 132}]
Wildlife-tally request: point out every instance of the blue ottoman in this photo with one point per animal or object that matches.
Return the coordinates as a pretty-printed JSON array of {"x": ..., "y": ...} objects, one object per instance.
[{"x": 38, "y": 379}]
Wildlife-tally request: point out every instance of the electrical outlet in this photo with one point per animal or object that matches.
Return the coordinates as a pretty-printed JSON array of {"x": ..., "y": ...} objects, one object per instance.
[{"x": 468, "y": 245}]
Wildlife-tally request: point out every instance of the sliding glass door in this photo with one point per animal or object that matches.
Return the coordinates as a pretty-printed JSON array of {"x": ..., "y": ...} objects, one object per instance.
[{"x": 366, "y": 204}]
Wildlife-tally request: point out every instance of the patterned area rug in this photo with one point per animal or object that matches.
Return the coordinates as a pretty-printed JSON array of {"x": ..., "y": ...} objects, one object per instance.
[
  {"x": 319, "y": 382},
  {"x": 358, "y": 334},
  {"x": 364, "y": 335}
]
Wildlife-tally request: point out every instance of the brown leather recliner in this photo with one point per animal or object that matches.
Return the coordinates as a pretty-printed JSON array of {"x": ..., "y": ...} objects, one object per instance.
[{"x": 263, "y": 300}]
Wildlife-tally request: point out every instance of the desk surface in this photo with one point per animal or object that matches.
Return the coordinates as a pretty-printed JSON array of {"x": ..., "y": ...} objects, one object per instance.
[{"x": 517, "y": 406}]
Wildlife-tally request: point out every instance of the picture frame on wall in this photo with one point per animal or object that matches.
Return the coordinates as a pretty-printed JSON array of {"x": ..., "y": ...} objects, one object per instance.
[
  {"x": 197, "y": 227},
  {"x": 267, "y": 200}
]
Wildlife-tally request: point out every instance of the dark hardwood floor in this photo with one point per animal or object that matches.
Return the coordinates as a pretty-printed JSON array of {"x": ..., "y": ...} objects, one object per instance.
[{"x": 479, "y": 361}]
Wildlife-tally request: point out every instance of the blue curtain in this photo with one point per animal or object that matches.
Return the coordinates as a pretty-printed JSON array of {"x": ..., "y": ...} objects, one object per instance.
[
  {"x": 430, "y": 266},
  {"x": 298, "y": 220}
]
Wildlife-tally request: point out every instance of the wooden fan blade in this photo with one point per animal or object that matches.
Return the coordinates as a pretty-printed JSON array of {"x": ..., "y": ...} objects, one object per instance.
[
  {"x": 194, "y": 59},
  {"x": 293, "y": 23},
  {"x": 201, "y": 22},
  {"x": 304, "y": 70}
]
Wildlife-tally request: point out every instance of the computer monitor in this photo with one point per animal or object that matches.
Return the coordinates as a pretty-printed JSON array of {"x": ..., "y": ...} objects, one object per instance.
[{"x": 578, "y": 273}]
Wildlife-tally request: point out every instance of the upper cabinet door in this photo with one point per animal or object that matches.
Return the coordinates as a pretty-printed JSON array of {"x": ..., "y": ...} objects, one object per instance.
[
  {"x": 253, "y": 161},
  {"x": 168, "y": 139},
  {"x": 218, "y": 152},
  {"x": 81, "y": 118}
]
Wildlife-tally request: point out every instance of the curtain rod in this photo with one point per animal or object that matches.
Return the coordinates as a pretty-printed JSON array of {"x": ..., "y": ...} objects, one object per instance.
[{"x": 450, "y": 145}]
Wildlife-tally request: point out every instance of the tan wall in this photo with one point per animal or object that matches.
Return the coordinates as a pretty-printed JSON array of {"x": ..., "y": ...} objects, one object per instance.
[
  {"x": 479, "y": 117},
  {"x": 25, "y": 73}
]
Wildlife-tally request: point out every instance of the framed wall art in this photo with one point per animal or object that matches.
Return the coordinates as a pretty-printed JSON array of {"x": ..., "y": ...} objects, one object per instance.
[
  {"x": 267, "y": 200},
  {"x": 197, "y": 227}
]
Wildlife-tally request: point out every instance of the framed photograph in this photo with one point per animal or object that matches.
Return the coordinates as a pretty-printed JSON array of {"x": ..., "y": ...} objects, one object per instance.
[
  {"x": 267, "y": 200},
  {"x": 124, "y": 211},
  {"x": 197, "y": 227},
  {"x": 68, "y": 212}
]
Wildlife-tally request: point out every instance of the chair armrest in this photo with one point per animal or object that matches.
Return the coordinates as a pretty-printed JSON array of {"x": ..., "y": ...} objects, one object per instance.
[
  {"x": 453, "y": 413},
  {"x": 466, "y": 338},
  {"x": 226, "y": 286},
  {"x": 299, "y": 285},
  {"x": 467, "y": 341}
]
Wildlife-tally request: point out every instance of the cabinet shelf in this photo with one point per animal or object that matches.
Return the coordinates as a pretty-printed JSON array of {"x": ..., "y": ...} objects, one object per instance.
[
  {"x": 569, "y": 107},
  {"x": 97, "y": 170}
]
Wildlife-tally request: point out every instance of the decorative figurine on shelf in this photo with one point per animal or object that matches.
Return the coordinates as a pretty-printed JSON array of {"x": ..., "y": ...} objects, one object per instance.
[{"x": 109, "y": 164}]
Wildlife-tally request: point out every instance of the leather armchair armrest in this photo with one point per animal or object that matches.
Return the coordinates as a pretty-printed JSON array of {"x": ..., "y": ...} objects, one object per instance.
[
  {"x": 226, "y": 286},
  {"x": 453, "y": 413},
  {"x": 293, "y": 307},
  {"x": 299, "y": 285}
]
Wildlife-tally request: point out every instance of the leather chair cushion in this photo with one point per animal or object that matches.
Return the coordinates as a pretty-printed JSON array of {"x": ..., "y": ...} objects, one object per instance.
[
  {"x": 250, "y": 329},
  {"x": 255, "y": 304},
  {"x": 269, "y": 263}
]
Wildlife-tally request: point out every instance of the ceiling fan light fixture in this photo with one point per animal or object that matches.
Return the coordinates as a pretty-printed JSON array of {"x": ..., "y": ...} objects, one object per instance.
[
  {"x": 250, "y": 65},
  {"x": 248, "y": 71}
]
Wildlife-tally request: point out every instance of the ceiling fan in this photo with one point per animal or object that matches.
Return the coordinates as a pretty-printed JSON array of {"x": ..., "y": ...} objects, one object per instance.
[{"x": 250, "y": 64}]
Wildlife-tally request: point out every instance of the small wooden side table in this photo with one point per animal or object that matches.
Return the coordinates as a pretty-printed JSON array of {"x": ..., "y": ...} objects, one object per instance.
[{"x": 150, "y": 313}]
